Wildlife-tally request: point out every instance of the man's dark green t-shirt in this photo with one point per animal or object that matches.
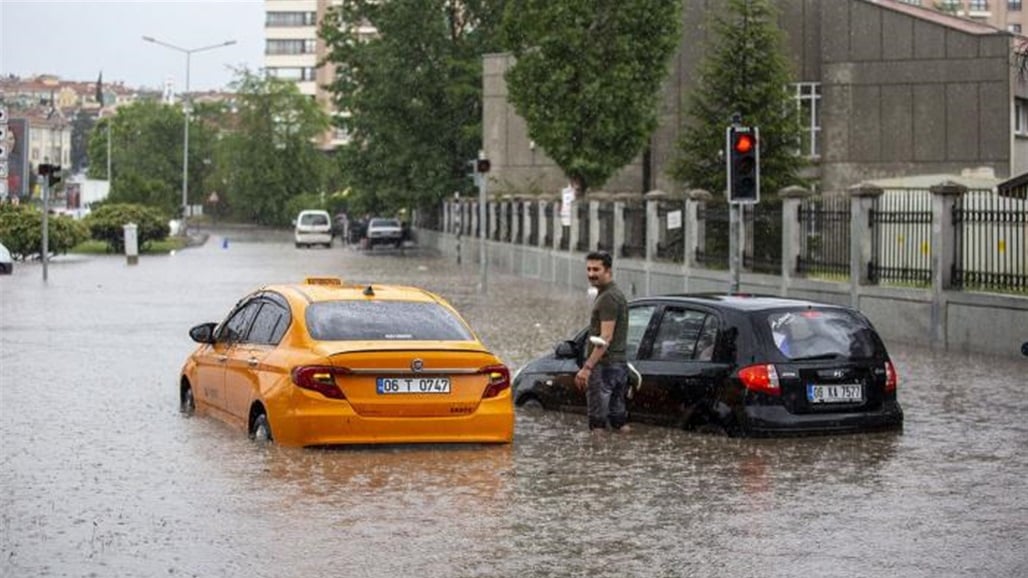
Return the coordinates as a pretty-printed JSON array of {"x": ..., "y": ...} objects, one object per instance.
[{"x": 611, "y": 305}]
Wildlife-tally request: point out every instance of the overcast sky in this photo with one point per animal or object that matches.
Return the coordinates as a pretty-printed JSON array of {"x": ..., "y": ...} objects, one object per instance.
[{"x": 76, "y": 39}]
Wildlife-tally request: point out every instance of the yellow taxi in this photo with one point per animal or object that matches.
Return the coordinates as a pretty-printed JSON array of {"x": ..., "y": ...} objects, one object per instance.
[{"x": 328, "y": 363}]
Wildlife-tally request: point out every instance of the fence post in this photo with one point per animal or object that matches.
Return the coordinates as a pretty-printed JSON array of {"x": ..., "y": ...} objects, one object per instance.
[
  {"x": 475, "y": 225},
  {"x": 944, "y": 197},
  {"x": 862, "y": 196},
  {"x": 526, "y": 212},
  {"x": 693, "y": 225},
  {"x": 541, "y": 239},
  {"x": 792, "y": 197},
  {"x": 619, "y": 225},
  {"x": 653, "y": 199},
  {"x": 594, "y": 220}
]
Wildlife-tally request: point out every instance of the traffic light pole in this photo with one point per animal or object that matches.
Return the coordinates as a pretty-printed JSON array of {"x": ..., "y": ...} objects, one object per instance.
[
  {"x": 45, "y": 249},
  {"x": 483, "y": 230}
]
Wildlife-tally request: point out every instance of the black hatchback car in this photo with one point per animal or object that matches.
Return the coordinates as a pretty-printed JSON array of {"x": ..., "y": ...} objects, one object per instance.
[{"x": 749, "y": 365}]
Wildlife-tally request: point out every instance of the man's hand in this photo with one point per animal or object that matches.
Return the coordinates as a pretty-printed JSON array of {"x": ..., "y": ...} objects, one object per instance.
[{"x": 582, "y": 378}]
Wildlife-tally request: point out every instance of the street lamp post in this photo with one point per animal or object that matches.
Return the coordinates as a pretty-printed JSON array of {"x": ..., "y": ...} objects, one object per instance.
[{"x": 186, "y": 111}]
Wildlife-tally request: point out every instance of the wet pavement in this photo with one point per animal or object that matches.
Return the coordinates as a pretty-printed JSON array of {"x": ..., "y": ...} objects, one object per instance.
[{"x": 100, "y": 475}]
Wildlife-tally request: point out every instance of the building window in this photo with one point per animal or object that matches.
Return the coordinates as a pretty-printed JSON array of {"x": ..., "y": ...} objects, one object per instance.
[
  {"x": 914, "y": 2},
  {"x": 978, "y": 6},
  {"x": 1015, "y": 28},
  {"x": 1014, "y": 5},
  {"x": 1021, "y": 117},
  {"x": 290, "y": 46},
  {"x": 289, "y": 19},
  {"x": 808, "y": 113},
  {"x": 292, "y": 72}
]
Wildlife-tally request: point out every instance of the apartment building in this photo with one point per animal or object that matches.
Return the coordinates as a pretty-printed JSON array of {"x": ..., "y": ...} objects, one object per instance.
[
  {"x": 293, "y": 52},
  {"x": 1003, "y": 14}
]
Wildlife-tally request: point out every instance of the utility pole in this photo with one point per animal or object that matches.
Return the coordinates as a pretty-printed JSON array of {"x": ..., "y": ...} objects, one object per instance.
[
  {"x": 44, "y": 174},
  {"x": 481, "y": 178}
]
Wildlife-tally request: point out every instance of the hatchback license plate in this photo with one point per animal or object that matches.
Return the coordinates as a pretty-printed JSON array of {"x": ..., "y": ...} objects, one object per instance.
[
  {"x": 839, "y": 393},
  {"x": 387, "y": 385}
]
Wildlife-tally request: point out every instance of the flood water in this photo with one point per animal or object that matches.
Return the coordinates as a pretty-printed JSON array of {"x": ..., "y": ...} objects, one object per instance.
[{"x": 101, "y": 476}]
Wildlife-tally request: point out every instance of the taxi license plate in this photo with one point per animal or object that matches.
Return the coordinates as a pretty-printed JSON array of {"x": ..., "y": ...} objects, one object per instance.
[
  {"x": 838, "y": 393},
  {"x": 388, "y": 385}
]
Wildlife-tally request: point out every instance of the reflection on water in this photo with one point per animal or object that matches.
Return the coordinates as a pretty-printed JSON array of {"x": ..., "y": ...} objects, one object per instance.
[{"x": 101, "y": 476}]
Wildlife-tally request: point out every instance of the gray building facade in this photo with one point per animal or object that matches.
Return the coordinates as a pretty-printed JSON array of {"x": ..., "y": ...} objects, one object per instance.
[{"x": 884, "y": 90}]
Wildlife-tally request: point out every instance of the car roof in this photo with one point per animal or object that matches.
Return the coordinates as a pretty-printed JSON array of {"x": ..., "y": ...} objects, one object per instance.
[
  {"x": 740, "y": 301},
  {"x": 319, "y": 289}
]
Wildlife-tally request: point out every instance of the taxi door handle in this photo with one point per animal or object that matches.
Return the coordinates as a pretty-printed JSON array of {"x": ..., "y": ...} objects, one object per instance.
[
  {"x": 252, "y": 362},
  {"x": 222, "y": 358}
]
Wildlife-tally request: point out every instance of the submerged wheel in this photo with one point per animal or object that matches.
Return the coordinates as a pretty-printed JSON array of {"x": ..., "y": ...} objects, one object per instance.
[
  {"x": 260, "y": 431},
  {"x": 531, "y": 405},
  {"x": 187, "y": 404}
]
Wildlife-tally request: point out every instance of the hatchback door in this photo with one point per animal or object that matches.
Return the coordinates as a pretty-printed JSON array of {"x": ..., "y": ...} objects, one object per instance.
[
  {"x": 678, "y": 374},
  {"x": 833, "y": 361}
]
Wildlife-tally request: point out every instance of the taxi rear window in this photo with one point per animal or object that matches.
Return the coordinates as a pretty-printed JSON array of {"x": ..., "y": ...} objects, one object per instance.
[
  {"x": 813, "y": 334},
  {"x": 384, "y": 321}
]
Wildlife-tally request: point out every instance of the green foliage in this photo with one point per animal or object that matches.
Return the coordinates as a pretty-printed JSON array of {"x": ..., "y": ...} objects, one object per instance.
[
  {"x": 268, "y": 158},
  {"x": 587, "y": 78},
  {"x": 745, "y": 72},
  {"x": 146, "y": 154},
  {"x": 413, "y": 94},
  {"x": 81, "y": 126},
  {"x": 107, "y": 223},
  {"x": 21, "y": 230}
]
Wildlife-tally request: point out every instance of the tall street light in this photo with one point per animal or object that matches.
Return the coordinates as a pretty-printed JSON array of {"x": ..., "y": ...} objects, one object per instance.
[{"x": 186, "y": 110}]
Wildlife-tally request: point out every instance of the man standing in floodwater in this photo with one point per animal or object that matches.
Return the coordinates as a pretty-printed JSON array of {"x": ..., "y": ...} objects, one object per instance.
[{"x": 604, "y": 375}]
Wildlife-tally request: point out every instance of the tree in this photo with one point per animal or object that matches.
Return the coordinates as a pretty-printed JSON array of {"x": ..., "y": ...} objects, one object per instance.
[
  {"x": 81, "y": 126},
  {"x": 746, "y": 72},
  {"x": 587, "y": 78},
  {"x": 412, "y": 95},
  {"x": 107, "y": 223},
  {"x": 269, "y": 157},
  {"x": 146, "y": 148}
]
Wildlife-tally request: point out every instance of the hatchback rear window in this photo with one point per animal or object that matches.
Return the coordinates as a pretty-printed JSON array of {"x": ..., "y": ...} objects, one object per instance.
[
  {"x": 812, "y": 334},
  {"x": 385, "y": 223},
  {"x": 314, "y": 219},
  {"x": 384, "y": 321}
]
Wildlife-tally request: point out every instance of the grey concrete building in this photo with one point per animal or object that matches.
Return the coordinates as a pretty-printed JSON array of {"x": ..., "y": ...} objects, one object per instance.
[{"x": 884, "y": 88}]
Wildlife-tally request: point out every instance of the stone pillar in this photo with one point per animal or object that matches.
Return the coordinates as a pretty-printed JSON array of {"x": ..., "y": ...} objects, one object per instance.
[
  {"x": 541, "y": 239},
  {"x": 862, "y": 196},
  {"x": 493, "y": 207},
  {"x": 619, "y": 224},
  {"x": 944, "y": 197},
  {"x": 526, "y": 210},
  {"x": 576, "y": 224},
  {"x": 694, "y": 227},
  {"x": 792, "y": 197},
  {"x": 653, "y": 199}
]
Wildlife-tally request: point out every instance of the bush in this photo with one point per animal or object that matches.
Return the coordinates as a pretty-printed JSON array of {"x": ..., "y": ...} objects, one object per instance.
[
  {"x": 107, "y": 224},
  {"x": 21, "y": 231}
]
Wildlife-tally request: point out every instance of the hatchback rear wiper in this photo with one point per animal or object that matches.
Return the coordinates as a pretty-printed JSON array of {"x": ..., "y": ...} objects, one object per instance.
[{"x": 818, "y": 357}]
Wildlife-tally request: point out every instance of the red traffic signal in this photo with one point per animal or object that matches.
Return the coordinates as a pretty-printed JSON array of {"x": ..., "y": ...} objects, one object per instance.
[
  {"x": 744, "y": 143},
  {"x": 482, "y": 166}
]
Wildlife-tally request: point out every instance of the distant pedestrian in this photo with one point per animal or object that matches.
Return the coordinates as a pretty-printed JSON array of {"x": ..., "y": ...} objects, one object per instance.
[{"x": 604, "y": 375}]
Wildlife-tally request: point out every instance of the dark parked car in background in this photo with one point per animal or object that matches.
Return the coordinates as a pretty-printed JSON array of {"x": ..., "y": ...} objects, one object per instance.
[{"x": 748, "y": 365}]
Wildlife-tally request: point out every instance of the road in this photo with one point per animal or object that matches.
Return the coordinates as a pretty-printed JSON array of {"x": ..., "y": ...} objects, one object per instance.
[{"x": 102, "y": 477}]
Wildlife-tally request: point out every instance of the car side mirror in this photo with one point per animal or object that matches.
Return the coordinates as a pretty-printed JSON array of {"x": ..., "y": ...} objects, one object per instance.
[
  {"x": 566, "y": 350},
  {"x": 203, "y": 333}
]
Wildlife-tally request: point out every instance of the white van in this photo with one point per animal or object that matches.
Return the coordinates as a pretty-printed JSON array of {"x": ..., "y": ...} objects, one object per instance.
[{"x": 313, "y": 228}]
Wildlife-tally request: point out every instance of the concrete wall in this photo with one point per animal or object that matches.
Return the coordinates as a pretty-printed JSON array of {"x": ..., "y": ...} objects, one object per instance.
[{"x": 976, "y": 322}]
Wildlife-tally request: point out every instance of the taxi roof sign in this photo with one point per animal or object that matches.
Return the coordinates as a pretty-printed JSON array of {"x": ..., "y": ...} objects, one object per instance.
[{"x": 336, "y": 281}]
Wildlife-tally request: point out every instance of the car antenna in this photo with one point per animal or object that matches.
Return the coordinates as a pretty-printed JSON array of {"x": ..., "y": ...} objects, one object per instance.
[{"x": 369, "y": 291}]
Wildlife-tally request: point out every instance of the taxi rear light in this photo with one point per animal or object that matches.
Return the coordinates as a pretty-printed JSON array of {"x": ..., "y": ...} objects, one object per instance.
[
  {"x": 499, "y": 380},
  {"x": 761, "y": 378},
  {"x": 891, "y": 378},
  {"x": 319, "y": 378}
]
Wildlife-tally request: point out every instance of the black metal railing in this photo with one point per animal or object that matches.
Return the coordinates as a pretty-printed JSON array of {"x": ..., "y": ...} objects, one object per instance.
[
  {"x": 765, "y": 220},
  {"x": 901, "y": 242},
  {"x": 713, "y": 250},
  {"x": 670, "y": 241},
  {"x": 548, "y": 237},
  {"x": 824, "y": 237},
  {"x": 582, "y": 242},
  {"x": 605, "y": 217},
  {"x": 990, "y": 236}
]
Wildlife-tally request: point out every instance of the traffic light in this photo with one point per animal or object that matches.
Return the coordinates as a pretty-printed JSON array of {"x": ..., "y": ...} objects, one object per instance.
[
  {"x": 743, "y": 164},
  {"x": 482, "y": 166},
  {"x": 51, "y": 172}
]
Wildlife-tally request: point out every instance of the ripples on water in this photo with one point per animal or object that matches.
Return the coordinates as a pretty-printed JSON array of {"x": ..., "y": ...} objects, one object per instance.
[{"x": 102, "y": 477}]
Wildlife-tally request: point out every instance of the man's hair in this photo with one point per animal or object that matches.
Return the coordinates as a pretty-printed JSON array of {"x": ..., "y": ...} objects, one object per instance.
[{"x": 601, "y": 256}]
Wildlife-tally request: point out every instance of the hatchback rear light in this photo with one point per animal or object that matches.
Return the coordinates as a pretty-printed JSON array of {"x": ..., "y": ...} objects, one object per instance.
[
  {"x": 499, "y": 380},
  {"x": 762, "y": 378},
  {"x": 891, "y": 379},
  {"x": 319, "y": 378}
]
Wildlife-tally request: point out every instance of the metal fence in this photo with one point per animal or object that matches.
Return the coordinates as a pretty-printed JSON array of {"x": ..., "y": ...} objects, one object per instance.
[
  {"x": 990, "y": 242},
  {"x": 824, "y": 237},
  {"x": 713, "y": 250},
  {"x": 765, "y": 255},
  {"x": 635, "y": 231},
  {"x": 670, "y": 241},
  {"x": 605, "y": 216},
  {"x": 582, "y": 242},
  {"x": 901, "y": 237}
]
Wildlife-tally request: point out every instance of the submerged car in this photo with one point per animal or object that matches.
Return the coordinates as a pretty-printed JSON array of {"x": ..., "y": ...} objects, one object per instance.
[
  {"x": 326, "y": 363},
  {"x": 747, "y": 365},
  {"x": 384, "y": 232},
  {"x": 313, "y": 227}
]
